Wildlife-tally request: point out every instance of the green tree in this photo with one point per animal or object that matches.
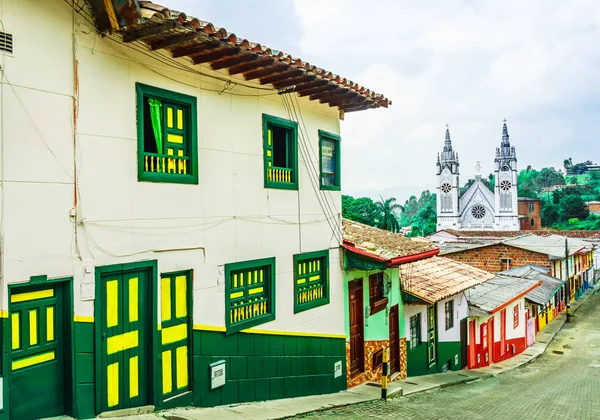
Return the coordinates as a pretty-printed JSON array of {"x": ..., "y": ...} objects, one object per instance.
[
  {"x": 572, "y": 206},
  {"x": 361, "y": 210},
  {"x": 549, "y": 214},
  {"x": 388, "y": 211}
]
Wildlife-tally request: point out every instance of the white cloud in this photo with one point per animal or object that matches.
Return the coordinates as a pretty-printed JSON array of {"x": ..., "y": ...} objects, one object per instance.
[{"x": 469, "y": 64}]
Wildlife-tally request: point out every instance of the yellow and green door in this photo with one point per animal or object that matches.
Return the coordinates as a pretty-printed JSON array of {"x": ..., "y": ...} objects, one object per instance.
[
  {"x": 37, "y": 385},
  {"x": 125, "y": 351},
  {"x": 175, "y": 333}
]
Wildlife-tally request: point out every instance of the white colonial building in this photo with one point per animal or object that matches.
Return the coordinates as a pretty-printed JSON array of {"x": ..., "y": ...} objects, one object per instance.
[
  {"x": 170, "y": 213},
  {"x": 478, "y": 208}
]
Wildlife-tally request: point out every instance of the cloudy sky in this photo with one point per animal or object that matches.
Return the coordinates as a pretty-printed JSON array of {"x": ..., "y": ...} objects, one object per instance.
[{"x": 465, "y": 63}]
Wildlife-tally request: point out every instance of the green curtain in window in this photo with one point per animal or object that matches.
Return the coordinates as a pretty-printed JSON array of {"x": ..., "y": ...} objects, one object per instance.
[{"x": 156, "y": 118}]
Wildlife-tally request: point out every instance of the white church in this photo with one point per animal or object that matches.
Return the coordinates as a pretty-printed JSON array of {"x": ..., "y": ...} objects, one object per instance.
[{"x": 478, "y": 208}]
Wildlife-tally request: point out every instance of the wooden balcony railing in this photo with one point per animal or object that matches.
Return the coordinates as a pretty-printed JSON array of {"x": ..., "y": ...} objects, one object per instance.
[
  {"x": 279, "y": 174},
  {"x": 166, "y": 164}
]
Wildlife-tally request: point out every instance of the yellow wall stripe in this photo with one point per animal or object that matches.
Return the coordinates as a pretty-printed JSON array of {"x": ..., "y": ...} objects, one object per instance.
[
  {"x": 182, "y": 366},
  {"x": 33, "y": 360},
  {"x": 112, "y": 384},
  {"x": 181, "y": 296},
  {"x": 166, "y": 372},
  {"x": 3, "y": 313},
  {"x": 33, "y": 330},
  {"x": 16, "y": 331},
  {"x": 165, "y": 298},
  {"x": 50, "y": 323},
  {"x": 173, "y": 334},
  {"x": 133, "y": 377},
  {"x": 112, "y": 303},
  {"x": 83, "y": 318},
  {"x": 133, "y": 299},
  {"x": 122, "y": 342},
  {"x": 200, "y": 327},
  {"x": 40, "y": 294}
]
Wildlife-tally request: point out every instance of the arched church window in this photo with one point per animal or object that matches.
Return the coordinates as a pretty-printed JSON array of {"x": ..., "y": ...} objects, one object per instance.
[
  {"x": 446, "y": 188},
  {"x": 478, "y": 211},
  {"x": 505, "y": 185},
  {"x": 505, "y": 168}
]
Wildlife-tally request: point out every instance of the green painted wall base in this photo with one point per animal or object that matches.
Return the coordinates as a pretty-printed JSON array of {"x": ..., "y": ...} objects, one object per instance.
[
  {"x": 416, "y": 360},
  {"x": 258, "y": 367},
  {"x": 446, "y": 354},
  {"x": 266, "y": 367}
]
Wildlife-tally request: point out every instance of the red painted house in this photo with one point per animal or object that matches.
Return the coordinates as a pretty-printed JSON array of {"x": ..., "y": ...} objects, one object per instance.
[{"x": 497, "y": 319}]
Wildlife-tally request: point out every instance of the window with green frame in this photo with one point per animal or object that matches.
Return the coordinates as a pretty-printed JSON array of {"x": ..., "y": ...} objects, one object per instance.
[
  {"x": 167, "y": 136},
  {"x": 249, "y": 294},
  {"x": 280, "y": 140},
  {"x": 329, "y": 156},
  {"x": 311, "y": 280}
]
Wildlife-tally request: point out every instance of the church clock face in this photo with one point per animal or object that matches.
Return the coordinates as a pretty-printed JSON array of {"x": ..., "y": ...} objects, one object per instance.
[
  {"x": 505, "y": 185},
  {"x": 478, "y": 211},
  {"x": 446, "y": 188}
]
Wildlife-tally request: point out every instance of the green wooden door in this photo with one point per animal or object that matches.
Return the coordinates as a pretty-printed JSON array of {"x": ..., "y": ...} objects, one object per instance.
[
  {"x": 431, "y": 335},
  {"x": 125, "y": 340},
  {"x": 175, "y": 333},
  {"x": 37, "y": 379}
]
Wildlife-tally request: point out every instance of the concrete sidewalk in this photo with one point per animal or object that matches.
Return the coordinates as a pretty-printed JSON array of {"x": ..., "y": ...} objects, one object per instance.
[{"x": 278, "y": 409}]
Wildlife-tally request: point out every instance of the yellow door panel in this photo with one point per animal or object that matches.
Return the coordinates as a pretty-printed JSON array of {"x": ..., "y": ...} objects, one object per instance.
[
  {"x": 112, "y": 303},
  {"x": 167, "y": 369},
  {"x": 133, "y": 377},
  {"x": 112, "y": 383},
  {"x": 182, "y": 366}
]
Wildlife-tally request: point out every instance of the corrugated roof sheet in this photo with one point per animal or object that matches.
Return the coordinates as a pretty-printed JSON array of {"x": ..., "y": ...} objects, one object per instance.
[
  {"x": 553, "y": 245},
  {"x": 512, "y": 234},
  {"x": 380, "y": 242},
  {"x": 452, "y": 247},
  {"x": 498, "y": 291},
  {"x": 437, "y": 278},
  {"x": 550, "y": 285},
  {"x": 203, "y": 42}
]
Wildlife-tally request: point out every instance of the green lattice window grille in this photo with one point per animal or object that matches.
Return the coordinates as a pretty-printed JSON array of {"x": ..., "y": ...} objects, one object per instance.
[
  {"x": 167, "y": 136},
  {"x": 280, "y": 139},
  {"x": 250, "y": 294},
  {"x": 415, "y": 330},
  {"x": 311, "y": 280},
  {"x": 329, "y": 160}
]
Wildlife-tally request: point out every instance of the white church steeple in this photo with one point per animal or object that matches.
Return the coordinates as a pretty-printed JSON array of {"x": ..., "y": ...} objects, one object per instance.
[
  {"x": 448, "y": 186},
  {"x": 505, "y": 189}
]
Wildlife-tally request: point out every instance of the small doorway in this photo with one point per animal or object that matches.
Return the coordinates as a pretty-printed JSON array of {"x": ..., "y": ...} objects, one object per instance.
[
  {"x": 39, "y": 351},
  {"x": 394, "y": 340},
  {"x": 463, "y": 343},
  {"x": 124, "y": 347},
  {"x": 472, "y": 332},
  {"x": 357, "y": 340},
  {"x": 431, "y": 335},
  {"x": 502, "y": 332}
]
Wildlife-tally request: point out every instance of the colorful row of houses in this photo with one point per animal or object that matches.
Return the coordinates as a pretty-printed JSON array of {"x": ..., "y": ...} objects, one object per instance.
[{"x": 171, "y": 229}]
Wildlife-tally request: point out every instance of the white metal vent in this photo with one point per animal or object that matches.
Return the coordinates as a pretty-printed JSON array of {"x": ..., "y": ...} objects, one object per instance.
[{"x": 6, "y": 42}]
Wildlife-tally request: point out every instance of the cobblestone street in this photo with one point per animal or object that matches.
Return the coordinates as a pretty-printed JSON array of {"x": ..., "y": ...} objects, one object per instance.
[{"x": 562, "y": 383}]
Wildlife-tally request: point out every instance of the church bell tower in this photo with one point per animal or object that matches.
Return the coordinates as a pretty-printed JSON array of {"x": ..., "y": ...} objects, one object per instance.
[
  {"x": 448, "y": 186},
  {"x": 505, "y": 190}
]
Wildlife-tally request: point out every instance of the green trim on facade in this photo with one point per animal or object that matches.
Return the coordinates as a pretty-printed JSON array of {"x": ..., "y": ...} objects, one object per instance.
[
  {"x": 324, "y": 136},
  {"x": 188, "y": 105},
  {"x": 84, "y": 371},
  {"x": 240, "y": 300},
  {"x": 308, "y": 286},
  {"x": 292, "y": 152},
  {"x": 266, "y": 367}
]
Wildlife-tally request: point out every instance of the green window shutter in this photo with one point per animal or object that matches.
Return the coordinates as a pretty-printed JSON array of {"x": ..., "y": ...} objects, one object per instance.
[
  {"x": 329, "y": 161},
  {"x": 167, "y": 136},
  {"x": 311, "y": 280},
  {"x": 249, "y": 294},
  {"x": 280, "y": 171}
]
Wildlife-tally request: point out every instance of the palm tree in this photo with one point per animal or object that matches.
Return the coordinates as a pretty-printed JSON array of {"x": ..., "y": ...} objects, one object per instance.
[{"x": 388, "y": 212}]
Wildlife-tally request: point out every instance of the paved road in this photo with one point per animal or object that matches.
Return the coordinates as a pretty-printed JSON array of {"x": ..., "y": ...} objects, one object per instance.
[{"x": 554, "y": 385}]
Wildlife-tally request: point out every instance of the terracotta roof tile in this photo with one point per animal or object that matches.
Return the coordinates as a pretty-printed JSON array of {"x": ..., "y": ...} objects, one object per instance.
[
  {"x": 380, "y": 242},
  {"x": 160, "y": 23},
  {"x": 437, "y": 278}
]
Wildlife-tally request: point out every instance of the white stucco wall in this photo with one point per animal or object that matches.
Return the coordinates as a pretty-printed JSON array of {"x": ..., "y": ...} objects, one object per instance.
[
  {"x": 228, "y": 217},
  {"x": 511, "y": 332},
  {"x": 460, "y": 311},
  {"x": 410, "y": 310}
]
